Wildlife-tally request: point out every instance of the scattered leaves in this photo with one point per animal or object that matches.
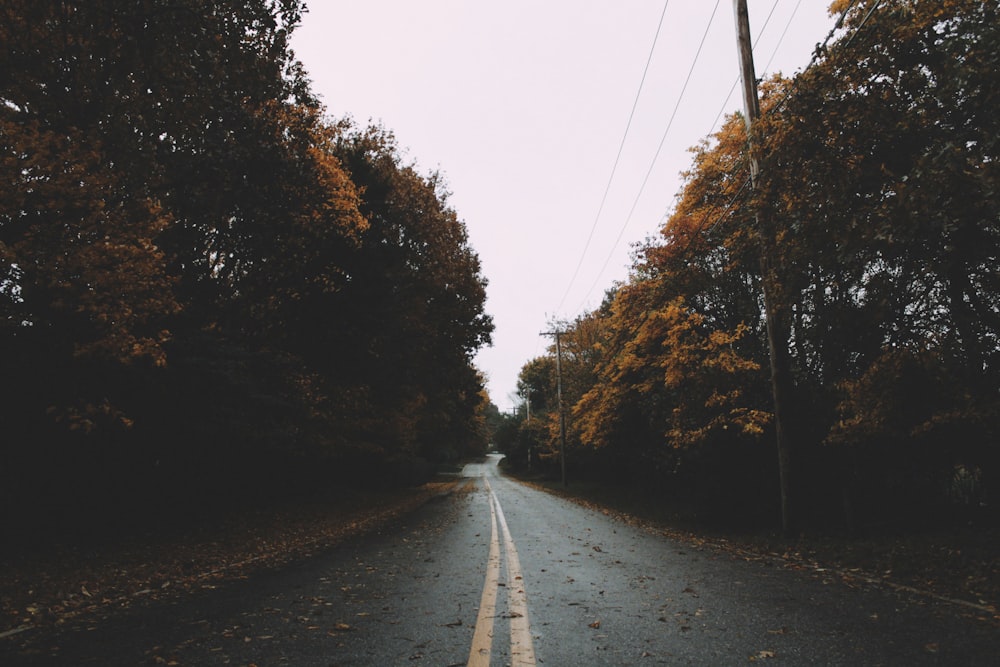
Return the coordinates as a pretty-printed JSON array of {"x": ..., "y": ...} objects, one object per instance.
[{"x": 762, "y": 655}]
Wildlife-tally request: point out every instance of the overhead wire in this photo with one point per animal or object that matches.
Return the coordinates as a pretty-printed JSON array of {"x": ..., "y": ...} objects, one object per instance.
[
  {"x": 718, "y": 116},
  {"x": 614, "y": 167},
  {"x": 659, "y": 148},
  {"x": 715, "y": 123},
  {"x": 774, "y": 53},
  {"x": 865, "y": 19},
  {"x": 784, "y": 33},
  {"x": 820, "y": 48},
  {"x": 702, "y": 225}
]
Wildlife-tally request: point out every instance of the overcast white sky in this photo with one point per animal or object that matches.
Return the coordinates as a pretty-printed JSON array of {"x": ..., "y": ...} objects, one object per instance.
[{"x": 523, "y": 105}]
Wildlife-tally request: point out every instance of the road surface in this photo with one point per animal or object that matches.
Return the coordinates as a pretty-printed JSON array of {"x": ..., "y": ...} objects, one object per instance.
[{"x": 497, "y": 573}]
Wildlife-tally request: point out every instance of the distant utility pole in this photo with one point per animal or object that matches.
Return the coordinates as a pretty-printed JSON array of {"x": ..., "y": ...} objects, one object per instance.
[
  {"x": 527, "y": 418},
  {"x": 562, "y": 414},
  {"x": 777, "y": 330}
]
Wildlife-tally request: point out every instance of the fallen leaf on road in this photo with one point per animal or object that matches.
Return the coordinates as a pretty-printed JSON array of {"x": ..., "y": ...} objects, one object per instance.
[{"x": 596, "y": 625}]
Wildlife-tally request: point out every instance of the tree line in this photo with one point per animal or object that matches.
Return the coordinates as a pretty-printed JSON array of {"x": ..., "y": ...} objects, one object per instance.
[
  {"x": 208, "y": 288},
  {"x": 877, "y": 215}
]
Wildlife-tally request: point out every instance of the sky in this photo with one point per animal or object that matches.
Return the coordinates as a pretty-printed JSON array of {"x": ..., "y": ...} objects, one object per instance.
[{"x": 562, "y": 127}]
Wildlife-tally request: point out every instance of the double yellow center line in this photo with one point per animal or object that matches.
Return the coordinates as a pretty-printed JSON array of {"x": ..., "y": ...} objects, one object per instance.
[{"x": 521, "y": 648}]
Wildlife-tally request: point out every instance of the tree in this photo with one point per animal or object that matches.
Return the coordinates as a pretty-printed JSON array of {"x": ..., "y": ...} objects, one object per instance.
[
  {"x": 83, "y": 274},
  {"x": 205, "y": 284},
  {"x": 881, "y": 163},
  {"x": 416, "y": 297}
]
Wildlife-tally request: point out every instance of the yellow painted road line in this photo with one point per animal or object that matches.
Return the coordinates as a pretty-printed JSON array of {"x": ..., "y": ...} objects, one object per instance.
[
  {"x": 522, "y": 649},
  {"x": 482, "y": 640}
]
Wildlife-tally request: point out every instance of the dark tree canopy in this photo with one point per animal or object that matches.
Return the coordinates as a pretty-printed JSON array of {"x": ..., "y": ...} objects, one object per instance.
[{"x": 206, "y": 284}]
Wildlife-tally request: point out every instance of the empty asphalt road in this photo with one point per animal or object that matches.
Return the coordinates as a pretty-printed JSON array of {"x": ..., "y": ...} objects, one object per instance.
[{"x": 497, "y": 573}]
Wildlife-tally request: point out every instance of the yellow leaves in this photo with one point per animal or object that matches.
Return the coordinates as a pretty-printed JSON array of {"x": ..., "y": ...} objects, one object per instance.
[
  {"x": 340, "y": 206},
  {"x": 751, "y": 422},
  {"x": 695, "y": 375},
  {"x": 85, "y": 416},
  {"x": 839, "y": 6},
  {"x": 90, "y": 243}
]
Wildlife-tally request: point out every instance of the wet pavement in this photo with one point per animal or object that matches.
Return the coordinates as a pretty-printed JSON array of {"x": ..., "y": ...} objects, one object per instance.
[{"x": 546, "y": 581}]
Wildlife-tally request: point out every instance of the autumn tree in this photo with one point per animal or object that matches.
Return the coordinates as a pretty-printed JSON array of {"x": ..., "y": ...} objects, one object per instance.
[
  {"x": 124, "y": 128},
  {"x": 84, "y": 285},
  {"x": 675, "y": 405},
  {"x": 881, "y": 167},
  {"x": 527, "y": 435},
  {"x": 200, "y": 295},
  {"x": 416, "y": 298},
  {"x": 879, "y": 195}
]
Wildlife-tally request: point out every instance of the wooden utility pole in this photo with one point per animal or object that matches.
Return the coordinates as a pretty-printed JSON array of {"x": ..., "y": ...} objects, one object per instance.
[
  {"x": 751, "y": 102},
  {"x": 527, "y": 418},
  {"x": 776, "y": 323},
  {"x": 559, "y": 403}
]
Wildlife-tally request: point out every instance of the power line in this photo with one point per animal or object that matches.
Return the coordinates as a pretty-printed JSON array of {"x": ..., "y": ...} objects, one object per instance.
[
  {"x": 656, "y": 156},
  {"x": 864, "y": 20},
  {"x": 784, "y": 32},
  {"x": 760, "y": 34},
  {"x": 703, "y": 223},
  {"x": 819, "y": 48},
  {"x": 818, "y": 51},
  {"x": 614, "y": 168}
]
